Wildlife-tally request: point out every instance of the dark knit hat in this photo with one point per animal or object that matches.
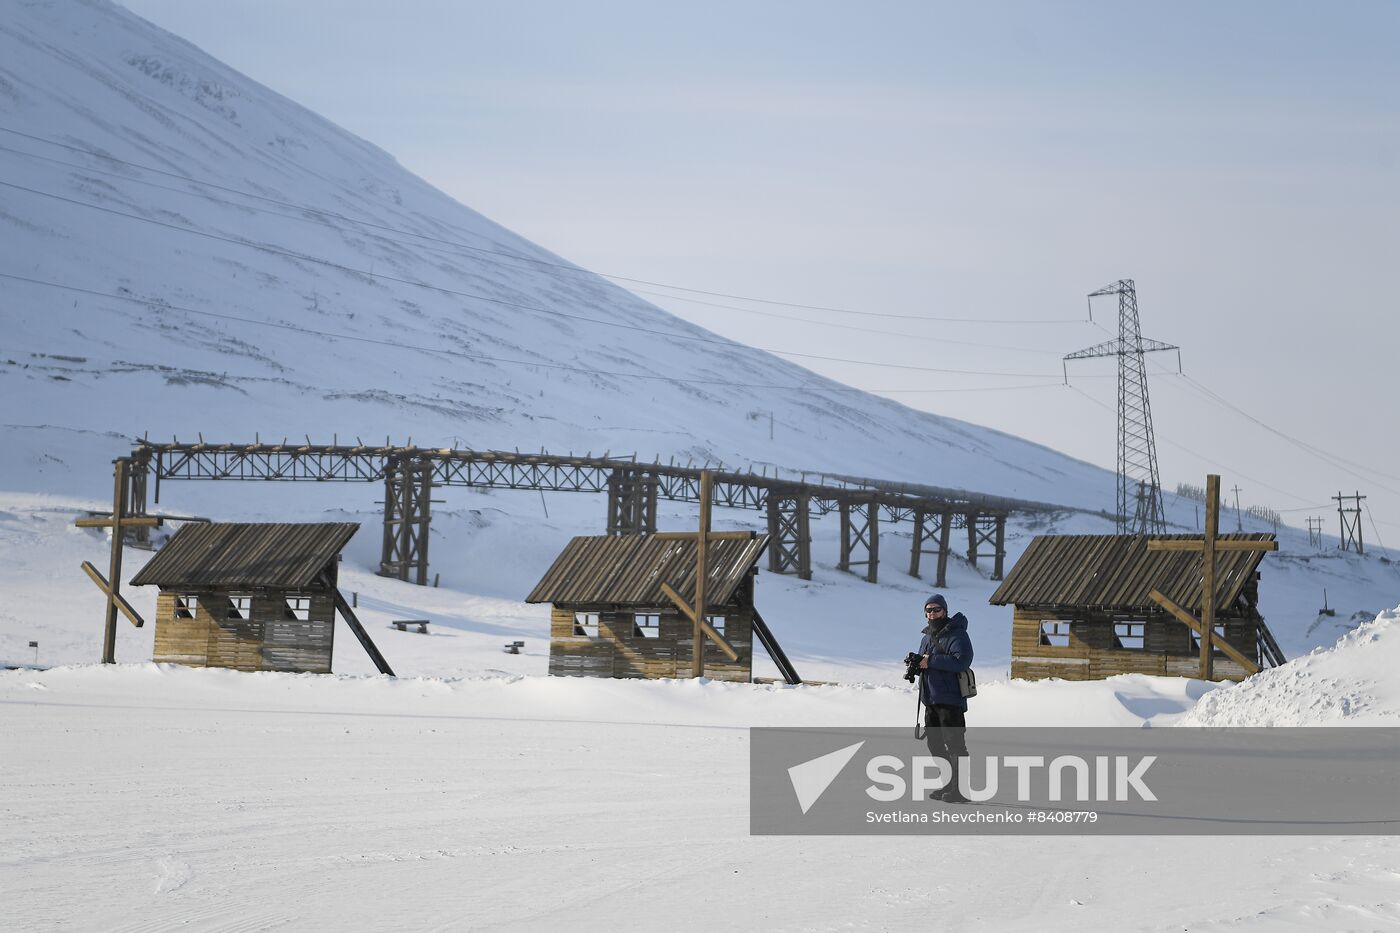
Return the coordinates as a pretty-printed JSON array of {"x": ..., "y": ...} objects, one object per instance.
[{"x": 936, "y": 600}]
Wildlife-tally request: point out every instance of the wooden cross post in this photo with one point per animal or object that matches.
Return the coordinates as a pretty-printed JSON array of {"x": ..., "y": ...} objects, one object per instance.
[
  {"x": 111, "y": 586},
  {"x": 1208, "y": 546},
  {"x": 696, "y": 614}
]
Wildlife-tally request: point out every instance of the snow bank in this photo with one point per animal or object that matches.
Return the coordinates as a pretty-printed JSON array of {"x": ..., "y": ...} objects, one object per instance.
[{"x": 1352, "y": 683}]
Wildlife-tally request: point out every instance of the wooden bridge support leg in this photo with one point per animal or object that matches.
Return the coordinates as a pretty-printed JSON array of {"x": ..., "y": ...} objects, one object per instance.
[
  {"x": 873, "y": 543},
  {"x": 422, "y": 492},
  {"x": 944, "y": 543},
  {"x": 650, "y": 492},
  {"x": 972, "y": 538},
  {"x": 408, "y": 487},
  {"x": 997, "y": 569},
  {"x": 388, "y": 552},
  {"x": 137, "y": 475},
  {"x": 918, "y": 547},
  {"x": 789, "y": 528},
  {"x": 844, "y": 562},
  {"x": 860, "y": 528},
  {"x": 631, "y": 503}
]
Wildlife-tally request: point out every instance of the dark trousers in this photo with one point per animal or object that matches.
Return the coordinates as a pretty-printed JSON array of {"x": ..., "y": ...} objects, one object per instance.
[{"x": 946, "y": 733}]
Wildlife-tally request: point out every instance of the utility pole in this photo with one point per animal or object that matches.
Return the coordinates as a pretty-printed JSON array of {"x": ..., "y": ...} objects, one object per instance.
[
  {"x": 1351, "y": 528},
  {"x": 1239, "y": 522},
  {"x": 1137, "y": 450}
]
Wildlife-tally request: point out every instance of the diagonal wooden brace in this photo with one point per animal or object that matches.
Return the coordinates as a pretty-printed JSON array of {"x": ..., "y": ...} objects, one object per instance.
[
  {"x": 705, "y": 627},
  {"x": 117, "y": 598},
  {"x": 1192, "y": 623}
]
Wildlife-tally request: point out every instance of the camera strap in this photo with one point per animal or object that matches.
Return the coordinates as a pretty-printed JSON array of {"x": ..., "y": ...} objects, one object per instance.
[{"x": 919, "y": 712}]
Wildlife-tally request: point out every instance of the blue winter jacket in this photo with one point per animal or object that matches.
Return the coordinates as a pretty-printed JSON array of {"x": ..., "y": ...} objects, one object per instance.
[{"x": 949, "y": 652}]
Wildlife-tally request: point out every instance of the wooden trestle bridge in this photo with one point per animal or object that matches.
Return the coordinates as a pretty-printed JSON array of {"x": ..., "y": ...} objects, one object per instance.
[{"x": 409, "y": 475}]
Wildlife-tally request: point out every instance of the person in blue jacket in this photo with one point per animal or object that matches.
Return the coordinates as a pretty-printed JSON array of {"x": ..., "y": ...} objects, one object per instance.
[{"x": 946, "y": 652}]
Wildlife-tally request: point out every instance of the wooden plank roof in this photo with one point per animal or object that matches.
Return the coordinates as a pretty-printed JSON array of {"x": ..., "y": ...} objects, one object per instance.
[
  {"x": 231, "y": 554},
  {"x": 628, "y": 570},
  {"x": 1118, "y": 572}
]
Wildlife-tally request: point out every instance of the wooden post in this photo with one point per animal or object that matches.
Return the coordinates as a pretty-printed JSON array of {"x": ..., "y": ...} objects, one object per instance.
[
  {"x": 1207, "y": 546},
  {"x": 114, "y": 573},
  {"x": 972, "y": 538},
  {"x": 111, "y": 586},
  {"x": 1208, "y": 574},
  {"x": 697, "y": 662}
]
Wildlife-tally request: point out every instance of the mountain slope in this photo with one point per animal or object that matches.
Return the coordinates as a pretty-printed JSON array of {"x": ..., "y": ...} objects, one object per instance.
[{"x": 227, "y": 292}]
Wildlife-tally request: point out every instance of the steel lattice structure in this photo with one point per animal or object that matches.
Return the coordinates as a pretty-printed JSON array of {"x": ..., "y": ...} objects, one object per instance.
[{"x": 1139, "y": 507}]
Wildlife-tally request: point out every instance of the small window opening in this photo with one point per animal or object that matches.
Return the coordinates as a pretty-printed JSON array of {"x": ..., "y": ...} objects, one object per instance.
[
  {"x": 186, "y": 607},
  {"x": 716, "y": 623},
  {"x": 647, "y": 624},
  {"x": 1130, "y": 635},
  {"x": 240, "y": 608},
  {"x": 586, "y": 623},
  {"x": 298, "y": 609},
  {"x": 1054, "y": 633}
]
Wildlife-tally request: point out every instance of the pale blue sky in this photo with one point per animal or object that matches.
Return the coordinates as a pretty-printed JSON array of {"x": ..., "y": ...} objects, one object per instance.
[{"x": 1241, "y": 161}]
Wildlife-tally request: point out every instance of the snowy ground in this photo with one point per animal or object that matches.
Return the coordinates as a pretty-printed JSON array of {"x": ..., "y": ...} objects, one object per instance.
[
  {"x": 475, "y": 793},
  {"x": 149, "y": 798}
]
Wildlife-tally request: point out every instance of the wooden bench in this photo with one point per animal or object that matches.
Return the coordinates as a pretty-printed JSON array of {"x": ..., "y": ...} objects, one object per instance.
[
  {"x": 514, "y": 647},
  {"x": 403, "y": 624}
]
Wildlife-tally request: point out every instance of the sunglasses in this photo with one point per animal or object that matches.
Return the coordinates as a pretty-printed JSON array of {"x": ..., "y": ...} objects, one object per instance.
[{"x": 933, "y": 609}]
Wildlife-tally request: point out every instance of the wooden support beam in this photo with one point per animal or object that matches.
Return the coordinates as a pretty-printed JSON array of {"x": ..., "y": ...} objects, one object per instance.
[
  {"x": 1198, "y": 545},
  {"x": 1185, "y": 617},
  {"x": 366, "y": 642},
  {"x": 713, "y": 536},
  {"x": 701, "y": 624},
  {"x": 148, "y": 521},
  {"x": 132, "y": 615}
]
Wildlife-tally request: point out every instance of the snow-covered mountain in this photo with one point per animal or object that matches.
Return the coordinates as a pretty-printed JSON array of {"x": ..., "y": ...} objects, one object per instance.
[{"x": 173, "y": 306}]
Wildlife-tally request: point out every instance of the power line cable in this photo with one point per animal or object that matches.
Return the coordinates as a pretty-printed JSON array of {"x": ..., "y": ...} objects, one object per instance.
[
  {"x": 301, "y": 217},
  {"x": 305, "y": 257},
  {"x": 550, "y": 264},
  {"x": 162, "y": 305},
  {"x": 1202, "y": 457},
  {"x": 859, "y": 329}
]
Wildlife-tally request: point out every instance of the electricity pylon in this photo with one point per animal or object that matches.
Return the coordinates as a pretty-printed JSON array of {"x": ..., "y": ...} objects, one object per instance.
[{"x": 1137, "y": 450}]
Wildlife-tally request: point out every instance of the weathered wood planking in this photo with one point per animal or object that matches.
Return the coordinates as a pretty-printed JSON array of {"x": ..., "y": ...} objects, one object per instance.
[{"x": 269, "y": 640}]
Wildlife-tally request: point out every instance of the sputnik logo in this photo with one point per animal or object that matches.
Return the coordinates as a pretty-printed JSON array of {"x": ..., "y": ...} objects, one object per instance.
[{"x": 811, "y": 778}]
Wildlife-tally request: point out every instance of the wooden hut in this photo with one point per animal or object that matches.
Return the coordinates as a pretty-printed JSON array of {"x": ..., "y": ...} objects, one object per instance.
[
  {"x": 247, "y": 596},
  {"x": 611, "y": 618},
  {"x": 1082, "y": 609}
]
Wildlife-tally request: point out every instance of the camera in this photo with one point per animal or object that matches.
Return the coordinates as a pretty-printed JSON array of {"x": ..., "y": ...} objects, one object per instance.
[{"x": 911, "y": 666}]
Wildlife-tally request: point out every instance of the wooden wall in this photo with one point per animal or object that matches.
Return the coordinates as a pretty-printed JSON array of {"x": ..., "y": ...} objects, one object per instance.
[
  {"x": 268, "y": 641},
  {"x": 618, "y": 651},
  {"x": 1091, "y": 654}
]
